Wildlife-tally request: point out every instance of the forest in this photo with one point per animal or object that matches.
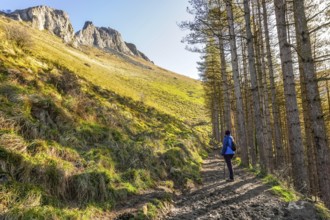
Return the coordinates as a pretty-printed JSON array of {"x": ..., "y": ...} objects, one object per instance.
[{"x": 265, "y": 71}]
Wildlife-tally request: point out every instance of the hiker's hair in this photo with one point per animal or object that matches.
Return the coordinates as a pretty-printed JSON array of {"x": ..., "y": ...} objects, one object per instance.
[{"x": 227, "y": 132}]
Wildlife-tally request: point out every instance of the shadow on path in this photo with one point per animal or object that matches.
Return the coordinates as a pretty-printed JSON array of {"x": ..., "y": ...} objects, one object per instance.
[{"x": 245, "y": 198}]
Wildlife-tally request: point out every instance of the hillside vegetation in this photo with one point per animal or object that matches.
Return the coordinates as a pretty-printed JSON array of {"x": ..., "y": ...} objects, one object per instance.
[{"x": 81, "y": 130}]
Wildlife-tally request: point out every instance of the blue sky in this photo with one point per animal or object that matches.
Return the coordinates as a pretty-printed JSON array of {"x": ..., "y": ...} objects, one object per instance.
[{"x": 150, "y": 24}]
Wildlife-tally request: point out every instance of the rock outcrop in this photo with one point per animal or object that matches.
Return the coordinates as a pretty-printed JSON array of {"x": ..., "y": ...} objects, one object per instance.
[
  {"x": 136, "y": 52},
  {"x": 107, "y": 39},
  {"x": 46, "y": 18},
  {"x": 101, "y": 37},
  {"x": 58, "y": 23}
]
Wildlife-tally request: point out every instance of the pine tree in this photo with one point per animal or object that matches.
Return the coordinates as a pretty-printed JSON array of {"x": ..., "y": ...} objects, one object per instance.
[
  {"x": 305, "y": 57},
  {"x": 299, "y": 171}
]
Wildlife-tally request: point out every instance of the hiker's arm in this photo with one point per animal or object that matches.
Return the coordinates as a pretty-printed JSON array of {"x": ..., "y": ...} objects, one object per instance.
[{"x": 224, "y": 147}]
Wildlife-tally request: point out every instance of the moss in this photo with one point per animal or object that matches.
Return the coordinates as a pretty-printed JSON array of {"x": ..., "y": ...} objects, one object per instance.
[
  {"x": 277, "y": 187},
  {"x": 285, "y": 194},
  {"x": 271, "y": 180},
  {"x": 322, "y": 211}
]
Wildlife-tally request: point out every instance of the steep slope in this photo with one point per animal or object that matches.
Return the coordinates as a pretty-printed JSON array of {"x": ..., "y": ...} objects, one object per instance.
[
  {"x": 134, "y": 77},
  {"x": 81, "y": 131}
]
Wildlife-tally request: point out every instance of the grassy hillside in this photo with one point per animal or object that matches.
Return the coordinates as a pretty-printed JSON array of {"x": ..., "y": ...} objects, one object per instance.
[{"x": 81, "y": 130}]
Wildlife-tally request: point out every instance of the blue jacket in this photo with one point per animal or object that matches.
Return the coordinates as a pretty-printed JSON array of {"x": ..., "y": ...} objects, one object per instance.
[{"x": 226, "y": 146}]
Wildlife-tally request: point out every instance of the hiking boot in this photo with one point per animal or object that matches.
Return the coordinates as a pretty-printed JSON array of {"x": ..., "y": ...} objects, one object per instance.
[{"x": 229, "y": 180}]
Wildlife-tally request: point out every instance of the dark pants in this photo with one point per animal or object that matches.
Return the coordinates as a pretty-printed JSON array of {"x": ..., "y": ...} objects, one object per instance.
[{"x": 228, "y": 158}]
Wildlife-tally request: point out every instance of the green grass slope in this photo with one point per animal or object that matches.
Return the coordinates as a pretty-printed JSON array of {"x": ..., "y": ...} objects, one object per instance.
[{"x": 81, "y": 130}]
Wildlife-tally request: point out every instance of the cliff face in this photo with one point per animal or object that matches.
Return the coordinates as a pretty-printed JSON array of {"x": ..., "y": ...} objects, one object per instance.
[
  {"x": 101, "y": 37},
  {"x": 106, "y": 38},
  {"x": 46, "y": 18}
]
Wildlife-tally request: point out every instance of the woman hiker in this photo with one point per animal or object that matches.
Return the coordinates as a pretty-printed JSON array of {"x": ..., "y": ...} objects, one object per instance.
[{"x": 228, "y": 153}]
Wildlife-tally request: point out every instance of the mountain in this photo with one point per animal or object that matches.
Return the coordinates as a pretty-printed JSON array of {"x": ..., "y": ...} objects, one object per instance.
[
  {"x": 58, "y": 23},
  {"x": 46, "y": 18},
  {"x": 136, "y": 52},
  {"x": 82, "y": 130},
  {"x": 106, "y": 38}
]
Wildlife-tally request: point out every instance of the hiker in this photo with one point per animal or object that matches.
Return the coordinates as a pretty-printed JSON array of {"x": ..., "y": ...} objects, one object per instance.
[{"x": 228, "y": 153}]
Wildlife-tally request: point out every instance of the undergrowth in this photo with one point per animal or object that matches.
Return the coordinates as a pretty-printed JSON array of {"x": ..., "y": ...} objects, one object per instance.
[
  {"x": 279, "y": 188},
  {"x": 286, "y": 193}
]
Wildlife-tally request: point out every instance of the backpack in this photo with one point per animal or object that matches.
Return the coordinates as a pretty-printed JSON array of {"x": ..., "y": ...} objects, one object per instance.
[{"x": 233, "y": 145}]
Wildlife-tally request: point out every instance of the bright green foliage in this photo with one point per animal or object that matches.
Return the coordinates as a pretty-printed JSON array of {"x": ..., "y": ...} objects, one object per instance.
[
  {"x": 237, "y": 161},
  {"x": 285, "y": 194},
  {"x": 277, "y": 187},
  {"x": 75, "y": 139},
  {"x": 323, "y": 212}
]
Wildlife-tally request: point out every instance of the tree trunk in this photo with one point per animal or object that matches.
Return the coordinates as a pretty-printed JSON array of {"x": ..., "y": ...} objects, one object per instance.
[
  {"x": 304, "y": 50},
  {"x": 300, "y": 177},
  {"x": 248, "y": 113},
  {"x": 275, "y": 109},
  {"x": 267, "y": 121},
  {"x": 311, "y": 157},
  {"x": 328, "y": 95},
  {"x": 215, "y": 118},
  {"x": 239, "y": 102},
  {"x": 225, "y": 86},
  {"x": 254, "y": 87},
  {"x": 260, "y": 51}
]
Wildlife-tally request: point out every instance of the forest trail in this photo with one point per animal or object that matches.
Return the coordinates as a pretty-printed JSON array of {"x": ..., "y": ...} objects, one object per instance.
[{"x": 246, "y": 198}]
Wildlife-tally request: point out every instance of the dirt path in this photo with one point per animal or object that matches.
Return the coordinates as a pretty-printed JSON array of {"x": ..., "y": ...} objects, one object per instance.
[{"x": 245, "y": 198}]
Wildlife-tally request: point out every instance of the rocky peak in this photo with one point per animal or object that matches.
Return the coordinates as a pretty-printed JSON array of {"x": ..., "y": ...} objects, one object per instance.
[
  {"x": 101, "y": 37},
  {"x": 136, "y": 52},
  {"x": 88, "y": 24},
  {"x": 58, "y": 23},
  {"x": 106, "y": 38},
  {"x": 46, "y": 18}
]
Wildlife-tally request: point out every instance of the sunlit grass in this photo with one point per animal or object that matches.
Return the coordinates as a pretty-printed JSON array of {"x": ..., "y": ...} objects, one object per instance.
[{"x": 82, "y": 129}]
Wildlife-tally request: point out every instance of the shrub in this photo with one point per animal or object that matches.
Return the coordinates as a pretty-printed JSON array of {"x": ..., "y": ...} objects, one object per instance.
[{"x": 20, "y": 37}]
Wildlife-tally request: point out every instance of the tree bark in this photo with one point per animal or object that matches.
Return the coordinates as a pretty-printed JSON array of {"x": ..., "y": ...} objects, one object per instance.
[
  {"x": 216, "y": 119},
  {"x": 248, "y": 113},
  {"x": 305, "y": 57},
  {"x": 328, "y": 95},
  {"x": 262, "y": 88},
  {"x": 311, "y": 158},
  {"x": 299, "y": 171},
  {"x": 263, "y": 91},
  {"x": 225, "y": 86},
  {"x": 279, "y": 152},
  {"x": 254, "y": 87},
  {"x": 239, "y": 101}
]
